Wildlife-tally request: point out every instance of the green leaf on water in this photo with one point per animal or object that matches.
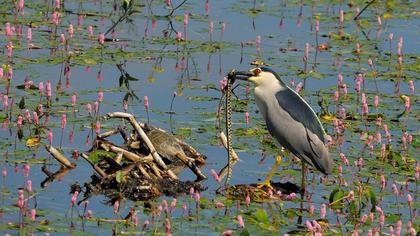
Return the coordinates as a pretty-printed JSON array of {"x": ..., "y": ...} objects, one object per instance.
[
  {"x": 335, "y": 195},
  {"x": 372, "y": 197},
  {"x": 119, "y": 177},
  {"x": 261, "y": 216},
  {"x": 97, "y": 155}
]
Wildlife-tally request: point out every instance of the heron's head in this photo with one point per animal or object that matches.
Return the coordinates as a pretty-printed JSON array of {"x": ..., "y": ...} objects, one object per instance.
[{"x": 260, "y": 76}]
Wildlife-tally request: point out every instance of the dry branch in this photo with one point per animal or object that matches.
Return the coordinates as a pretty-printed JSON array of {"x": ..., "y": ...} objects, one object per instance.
[
  {"x": 98, "y": 170},
  {"x": 59, "y": 157},
  {"x": 192, "y": 166}
]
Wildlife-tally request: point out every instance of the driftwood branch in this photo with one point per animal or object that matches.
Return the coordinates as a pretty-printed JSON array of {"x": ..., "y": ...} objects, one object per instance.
[
  {"x": 108, "y": 133},
  {"x": 59, "y": 157},
  {"x": 98, "y": 170},
  {"x": 193, "y": 167}
]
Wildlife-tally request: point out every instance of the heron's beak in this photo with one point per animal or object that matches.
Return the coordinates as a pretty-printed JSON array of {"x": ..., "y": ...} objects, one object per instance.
[{"x": 243, "y": 75}]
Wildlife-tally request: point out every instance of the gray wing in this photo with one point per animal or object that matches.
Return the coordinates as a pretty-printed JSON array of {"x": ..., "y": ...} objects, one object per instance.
[{"x": 300, "y": 111}]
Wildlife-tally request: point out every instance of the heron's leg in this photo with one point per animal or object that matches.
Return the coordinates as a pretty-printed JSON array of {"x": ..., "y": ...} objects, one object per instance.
[
  {"x": 303, "y": 183},
  {"x": 267, "y": 182}
]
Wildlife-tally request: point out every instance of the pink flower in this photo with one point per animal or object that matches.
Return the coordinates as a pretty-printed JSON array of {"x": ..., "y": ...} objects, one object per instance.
[
  {"x": 89, "y": 108},
  {"x": 21, "y": 199},
  {"x": 223, "y": 27},
  {"x": 154, "y": 23},
  {"x": 26, "y": 169},
  {"x": 55, "y": 18},
  {"x": 379, "y": 21},
  {"x": 323, "y": 211},
  {"x": 409, "y": 200},
  {"x": 299, "y": 87},
  {"x": 98, "y": 127},
  {"x": 5, "y": 102},
  {"x": 197, "y": 196},
  {"x": 394, "y": 189},
  {"x": 311, "y": 209},
  {"x": 291, "y": 196},
  {"x": 207, "y": 7},
  {"x": 345, "y": 90},
  {"x": 317, "y": 26},
  {"x": 50, "y": 137},
  {"x": 381, "y": 220},
  {"x": 306, "y": 53},
  {"x": 29, "y": 35},
  {"x": 390, "y": 36},
  {"x": 1, "y": 73},
  {"x": 341, "y": 16},
  {"x": 29, "y": 186},
  {"x": 89, "y": 214},
  {"x": 100, "y": 95},
  {"x": 358, "y": 48},
  {"x": 173, "y": 204},
  {"x": 309, "y": 226},
  {"x": 146, "y": 102},
  {"x": 19, "y": 122},
  {"x": 376, "y": 101},
  {"x": 33, "y": 214},
  {"x": 168, "y": 3},
  {"x": 9, "y": 49},
  {"x": 74, "y": 198},
  {"x": 336, "y": 96},
  {"x": 90, "y": 31},
  {"x": 247, "y": 117},
  {"x": 101, "y": 39},
  {"x": 63, "y": 121},
  {"x": 241, "y": 223},
  {"x": 70, "y": 31},
  {"x": 73, "y": 100},
  {"x": 211, "y": 27},
  {"x": 383, "y": 182},
  {"x": 215, "y": 175},
  {"x": 48, "y": 88},
  {"x": 8, "y": 29},
  {"x": 407, "y": 104},
  {"x": 258, "y": 43},
  {"x": 292, "y": 83},
  {"x": 410, "y": 86},
  {"x": 185, "y": 19},
  {"x": 145, "y": 224},
  {"x": 179, "y": 36},
  {"x": 167, "y": 227},
  {"x": 340, "y": 80},
  {"x": 96, "y": 106},
  {"x": 344, "y": 158},
  {"x": 4, "y": 172},
  {"x": 80, "y": 20},
  {"x": 398, "y": 228},
  {"x": 227, "y": 232},
  {"x": 223, "y": 83},
  {"x": 125, "y": 105},
  {"x": 192, "y": 192}
]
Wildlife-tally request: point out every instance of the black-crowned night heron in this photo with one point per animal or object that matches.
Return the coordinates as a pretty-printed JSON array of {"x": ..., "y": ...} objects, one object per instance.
[{"x": 290, "y": 120}]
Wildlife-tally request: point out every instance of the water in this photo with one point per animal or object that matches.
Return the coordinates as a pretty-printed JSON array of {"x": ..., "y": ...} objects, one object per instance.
[{"x": 196, "y": 103}]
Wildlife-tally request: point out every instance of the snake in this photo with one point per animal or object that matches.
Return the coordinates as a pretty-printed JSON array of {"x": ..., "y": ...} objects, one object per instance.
[{"x": 228, "y": 117}]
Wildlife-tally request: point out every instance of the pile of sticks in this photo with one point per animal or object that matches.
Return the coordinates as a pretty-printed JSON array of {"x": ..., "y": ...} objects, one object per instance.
[{"x": 140, "y": 160}]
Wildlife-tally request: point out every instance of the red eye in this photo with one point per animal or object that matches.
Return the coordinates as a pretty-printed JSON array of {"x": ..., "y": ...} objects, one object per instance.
[{"x": 257, "y": 71}]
